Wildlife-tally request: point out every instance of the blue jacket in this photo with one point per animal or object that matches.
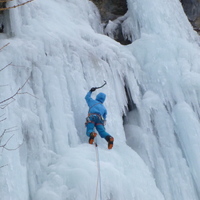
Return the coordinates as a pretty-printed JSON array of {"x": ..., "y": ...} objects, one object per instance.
[{"x": 96, "y": 106}]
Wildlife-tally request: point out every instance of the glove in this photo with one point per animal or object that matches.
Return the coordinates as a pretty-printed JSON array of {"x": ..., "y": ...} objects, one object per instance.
[{"x": 92, "y": 89}]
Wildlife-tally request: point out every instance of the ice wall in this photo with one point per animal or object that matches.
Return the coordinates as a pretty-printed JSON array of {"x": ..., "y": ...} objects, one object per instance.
[
  {"x": 60, "y": 47},
  {"x": 167, "y": 52}
]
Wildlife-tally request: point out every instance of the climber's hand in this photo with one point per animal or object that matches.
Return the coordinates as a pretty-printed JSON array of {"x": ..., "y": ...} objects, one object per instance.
[{"x": 92, "y": 89}]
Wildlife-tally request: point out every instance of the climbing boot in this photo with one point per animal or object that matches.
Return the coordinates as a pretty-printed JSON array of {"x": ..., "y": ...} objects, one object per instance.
[
  {"x": 110, "y": 141},
  {"x": 92, "y": 136}
]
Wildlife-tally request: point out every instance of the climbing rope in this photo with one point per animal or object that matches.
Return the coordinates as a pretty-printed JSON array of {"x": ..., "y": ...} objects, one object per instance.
[{"x": 99, "y": 173}]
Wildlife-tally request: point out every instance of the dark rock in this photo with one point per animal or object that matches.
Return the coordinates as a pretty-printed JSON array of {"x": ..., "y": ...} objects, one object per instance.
[
  {"x": 2, "y": 5},
  {"x": 111, "y": 11},
  {"x": 192, "y": 10}
]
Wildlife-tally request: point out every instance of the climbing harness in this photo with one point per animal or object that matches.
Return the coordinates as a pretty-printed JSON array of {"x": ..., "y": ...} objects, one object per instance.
[
  {"x": 102, "y": 121},
  {"x": 99, "y": 173},
  {"x": 95, "y": 114}
]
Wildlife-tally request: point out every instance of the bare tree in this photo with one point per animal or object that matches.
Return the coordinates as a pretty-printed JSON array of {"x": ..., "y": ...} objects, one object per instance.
[
  {"x": 7, "y": 8},
  {"x": 3, "y": 104},
  {"x": 4, "y": 7}
]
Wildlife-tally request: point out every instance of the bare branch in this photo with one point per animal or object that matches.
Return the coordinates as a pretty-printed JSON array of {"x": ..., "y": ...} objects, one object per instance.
[
  {"x": 4, "y": 1},
  {"x": 16, "y": 93},
  {"x": 9, "y": 149},
  {"x": 11, "y": 129},
  {"x": 5, "y": 67},
  {"x": 12, "y": 97},
  {"x": 4, "y": 45},
  {"x": 2, "y": 9},
  {"x": 4, "y": 145},
  {"x": 2, "y": 134},
  {"x": 28, "y": 94},
  {"x": 24, "y": 83},
  {"x": 5, "y": 105},
  {"x": 8, "y": 130}
]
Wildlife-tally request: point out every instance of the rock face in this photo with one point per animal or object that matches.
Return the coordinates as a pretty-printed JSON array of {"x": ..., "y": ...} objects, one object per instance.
[
  {"x": 2, "y": 16},
  {"x": 2, "y": 5},
  {"x": 192, "y": 10},
  {"x": 111, "y": 9},
  {"x": 112, "y": 16}
]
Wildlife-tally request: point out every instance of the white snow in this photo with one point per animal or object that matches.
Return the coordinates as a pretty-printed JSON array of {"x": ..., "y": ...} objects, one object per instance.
[{"x": 59, "y": 45}]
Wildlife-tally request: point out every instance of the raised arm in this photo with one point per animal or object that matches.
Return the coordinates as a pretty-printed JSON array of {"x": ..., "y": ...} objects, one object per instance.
[{"x": 88, "y": 97}]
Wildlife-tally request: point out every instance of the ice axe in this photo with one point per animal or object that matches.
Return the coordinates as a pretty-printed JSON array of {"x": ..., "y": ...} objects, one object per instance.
[{"x": 94, "y": 88}]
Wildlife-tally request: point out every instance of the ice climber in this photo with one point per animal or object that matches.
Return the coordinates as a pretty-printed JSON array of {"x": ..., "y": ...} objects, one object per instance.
[{"x": 97, "y": 118}]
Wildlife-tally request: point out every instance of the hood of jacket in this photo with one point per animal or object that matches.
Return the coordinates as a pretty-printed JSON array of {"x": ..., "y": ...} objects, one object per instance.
[{"x": 101, "y": 97}]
